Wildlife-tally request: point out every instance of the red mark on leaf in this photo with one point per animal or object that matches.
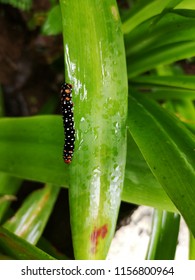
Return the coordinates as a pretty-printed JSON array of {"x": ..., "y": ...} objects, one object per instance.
[{"x": 98, "y": 233}]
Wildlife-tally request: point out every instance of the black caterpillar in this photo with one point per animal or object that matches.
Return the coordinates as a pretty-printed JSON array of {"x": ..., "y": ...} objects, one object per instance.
[{"x": 68, "y": 121}]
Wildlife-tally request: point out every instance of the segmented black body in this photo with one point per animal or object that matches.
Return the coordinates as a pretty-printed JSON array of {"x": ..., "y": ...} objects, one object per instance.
[{"x": 68, "y": 121}]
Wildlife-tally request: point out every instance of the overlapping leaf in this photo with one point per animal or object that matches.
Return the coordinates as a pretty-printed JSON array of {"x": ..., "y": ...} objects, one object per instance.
[
  {"x": 19, "y": 249},
  {"x": 31, "y": 218},
  {"x": 168, "y": 148}
]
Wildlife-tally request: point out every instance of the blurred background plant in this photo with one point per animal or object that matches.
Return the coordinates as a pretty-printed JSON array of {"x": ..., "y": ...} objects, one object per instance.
[{"x": 159, "y": 41}]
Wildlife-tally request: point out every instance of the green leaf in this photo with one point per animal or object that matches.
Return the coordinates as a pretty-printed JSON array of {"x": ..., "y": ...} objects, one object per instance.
[
  {"x": 47, "y": 247},
  {"x": 19, "y": 249},
  {"x": 186, "y": 4},
  {"x": 171, "y": 28},
  {"x": 178, "y": 81},
  {"x": 161, "y": 93},
  {"x": 160, "y": 56},
  {"x": 141, "y": 11},
  {"x": 96, "y": 67},
  {"x": 168, "y": 148},
  {"x": 158, "y": 43},
  {"x": 37, "y": 207},
  {"x": 53, "y": 23},
  {"x": 8, "y": 187},
  {"x": 33, "y": 137},
  {"x": 164, "y": 236},
  {"x": 38, "y": 146},
  {"x": 141, "y": 187},
  {"x": 192, "y": 248},
  {"x": 166, "y": 87},
  {"x": 189, "y": 13},
  {"x": 179, "y": 88}
]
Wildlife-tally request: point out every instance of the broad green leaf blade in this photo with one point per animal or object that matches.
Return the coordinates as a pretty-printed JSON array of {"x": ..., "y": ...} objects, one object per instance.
[
  {"x": 160, "y": 56},
  {"x": 39, "y": 144},
  {"x": 168, "y": 148},
  {"x": 53, "y": 23},
  {"x": 96, "y": 67},
  {"x": 8, "y": 186},
  {"x": 37, "y": 207},
  {"x": 19, "y": 249},
  {"x": 164, "y": 236}
]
